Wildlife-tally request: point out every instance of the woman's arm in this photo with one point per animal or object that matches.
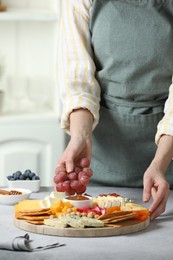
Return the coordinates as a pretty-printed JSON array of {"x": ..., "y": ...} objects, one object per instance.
[
  {"x": 76, "y": 69},
  {"x": 80, "y": 145},
  {"x": 165, "y": 126},
  {"x": 155, "y": 183},
  {"x": 80, "y": 92},
  {"x": 164, "y": 153}
]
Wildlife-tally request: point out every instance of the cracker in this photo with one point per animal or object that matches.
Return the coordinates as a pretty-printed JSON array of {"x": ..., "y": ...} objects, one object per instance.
[
  {"x": 36, "y": 222},
  {"x": 114, "y": 214},
  {"x": 35, "y": 213},
  {"x": 35, "y": 210},
  {"x": 36, "y": 217},
  {"x": 119, "y": 219}
]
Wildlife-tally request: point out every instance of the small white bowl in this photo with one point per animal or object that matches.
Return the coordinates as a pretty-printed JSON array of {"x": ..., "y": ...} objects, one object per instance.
[
  {"x": 14, "y": 199},
  {"x": 77, "y": 203},
  {"x": 33, "y": 185}
]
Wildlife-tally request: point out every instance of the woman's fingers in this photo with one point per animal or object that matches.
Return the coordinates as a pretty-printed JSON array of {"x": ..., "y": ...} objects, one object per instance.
[
  {"x": 160, "y": 196},
  {"x": 157, "y": 187}
]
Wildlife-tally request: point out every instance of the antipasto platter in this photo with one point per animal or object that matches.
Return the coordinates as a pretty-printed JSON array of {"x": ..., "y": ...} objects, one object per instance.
[
  {"x": 81, "y": 216},
  {"x": 127, "y": 227}
]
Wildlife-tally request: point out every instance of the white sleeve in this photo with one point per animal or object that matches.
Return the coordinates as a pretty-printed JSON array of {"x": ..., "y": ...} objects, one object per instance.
[{"x": 76, "y": 69}]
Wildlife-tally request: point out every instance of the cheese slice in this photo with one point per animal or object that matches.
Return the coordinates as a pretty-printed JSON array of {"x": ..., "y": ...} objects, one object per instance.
[
  {"x": 73, "y": 221},
  {"x": 132, "y": 206},
  {"x": 109, "y": 201},
  {"x": 55, "y": 222}
]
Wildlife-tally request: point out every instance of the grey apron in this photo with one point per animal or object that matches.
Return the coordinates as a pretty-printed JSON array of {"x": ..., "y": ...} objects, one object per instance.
[{"x": 132, "y": 42}]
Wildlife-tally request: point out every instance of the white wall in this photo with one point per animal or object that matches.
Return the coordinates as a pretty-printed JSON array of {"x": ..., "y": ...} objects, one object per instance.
[
  {"x": 44, "y": 4},
  {"x": 28, "y": 49},
  {"x": 30, "y": 134}
]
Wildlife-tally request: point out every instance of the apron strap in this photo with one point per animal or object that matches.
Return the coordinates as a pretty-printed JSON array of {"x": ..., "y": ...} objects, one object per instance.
[{"x": 105, "y": 99}]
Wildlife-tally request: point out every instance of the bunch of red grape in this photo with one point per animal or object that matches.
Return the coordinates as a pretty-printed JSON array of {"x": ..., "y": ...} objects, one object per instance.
[{"x": 73, "y": 182}]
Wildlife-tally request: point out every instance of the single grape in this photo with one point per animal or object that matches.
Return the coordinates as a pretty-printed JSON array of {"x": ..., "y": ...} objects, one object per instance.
[
  {"x": 74, "y": 184},
  {"x": 66, "y": 185},
  {"x": 60, "y": 169},
  {"x": 77, "y": 169},
  {"x": 70, "y": 191},
  {"x": 84, "y": 162},
  {"x": 73, "y": 176},
  {"x": 56, "y": 179},
  {"x": 81, "y": 174},
  {"x": 89, "y": 171},
  {"x": 81, "y": 189},
  {"x": 59, "y": 187},
  {"x": 60, "y": 177},
  {"x": 84, "y": 180}
]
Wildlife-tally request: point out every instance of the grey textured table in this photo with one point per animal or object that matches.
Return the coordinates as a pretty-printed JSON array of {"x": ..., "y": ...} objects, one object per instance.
[{"x": 155, "y": 242}]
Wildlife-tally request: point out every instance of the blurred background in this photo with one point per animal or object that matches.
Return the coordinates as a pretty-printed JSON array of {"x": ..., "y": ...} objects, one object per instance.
[{"x": 30, "y": 134}]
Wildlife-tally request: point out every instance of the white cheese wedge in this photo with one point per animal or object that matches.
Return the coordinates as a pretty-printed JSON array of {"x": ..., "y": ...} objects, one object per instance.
[
  {"x": 50, "y": 199},
  {"x": 109, "y": 201},
  {"x": 108, "y": 204},
  {"x": 57, "y": 195}
]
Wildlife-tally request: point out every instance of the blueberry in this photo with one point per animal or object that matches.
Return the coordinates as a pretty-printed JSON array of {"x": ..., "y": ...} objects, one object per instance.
[
  {"x": 31, "y": 175},
  {"x": 26, "y": 173},
  {"x": 35, "y": 178},
  {"x": 18, "y": 172},
  {"x": 9, "y": 177},
  {"x": 17, "y": 175},
  {"x": 21, "y": 177},
  {"x": 12, "y": 179},
  {"x": 13, "y": 174}
]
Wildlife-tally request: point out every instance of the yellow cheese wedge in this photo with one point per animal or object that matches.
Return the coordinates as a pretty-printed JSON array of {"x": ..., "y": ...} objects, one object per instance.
[{"x": 132, "y": 206}]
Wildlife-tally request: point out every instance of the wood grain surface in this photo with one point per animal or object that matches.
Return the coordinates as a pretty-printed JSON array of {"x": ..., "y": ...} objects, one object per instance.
[{"x": 126, "y": 227}]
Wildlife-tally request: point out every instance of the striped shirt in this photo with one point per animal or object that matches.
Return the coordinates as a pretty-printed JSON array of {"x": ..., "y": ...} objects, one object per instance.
[{"x": 76, "y": 69}]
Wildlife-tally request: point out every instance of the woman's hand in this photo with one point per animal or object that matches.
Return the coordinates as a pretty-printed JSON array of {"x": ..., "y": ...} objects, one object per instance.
[
  {"x": 73, "y": 173},
  {"x": 78, "y": 148},
  {"x": 155, "y": 183},
  {"x": 155, "y": 186},
  {"x": 80, "y": 145}
]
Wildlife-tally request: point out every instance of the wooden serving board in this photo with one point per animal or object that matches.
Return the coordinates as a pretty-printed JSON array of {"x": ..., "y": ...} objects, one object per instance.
[{"x": 127, "y": 227}]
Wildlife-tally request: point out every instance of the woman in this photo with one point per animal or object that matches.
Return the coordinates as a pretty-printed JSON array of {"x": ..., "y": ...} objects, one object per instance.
[{"x": 115, "y": 71}]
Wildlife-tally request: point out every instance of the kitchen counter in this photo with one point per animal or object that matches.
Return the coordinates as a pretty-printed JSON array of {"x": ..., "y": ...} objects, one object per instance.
[{"x": 155, "y": 242}]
